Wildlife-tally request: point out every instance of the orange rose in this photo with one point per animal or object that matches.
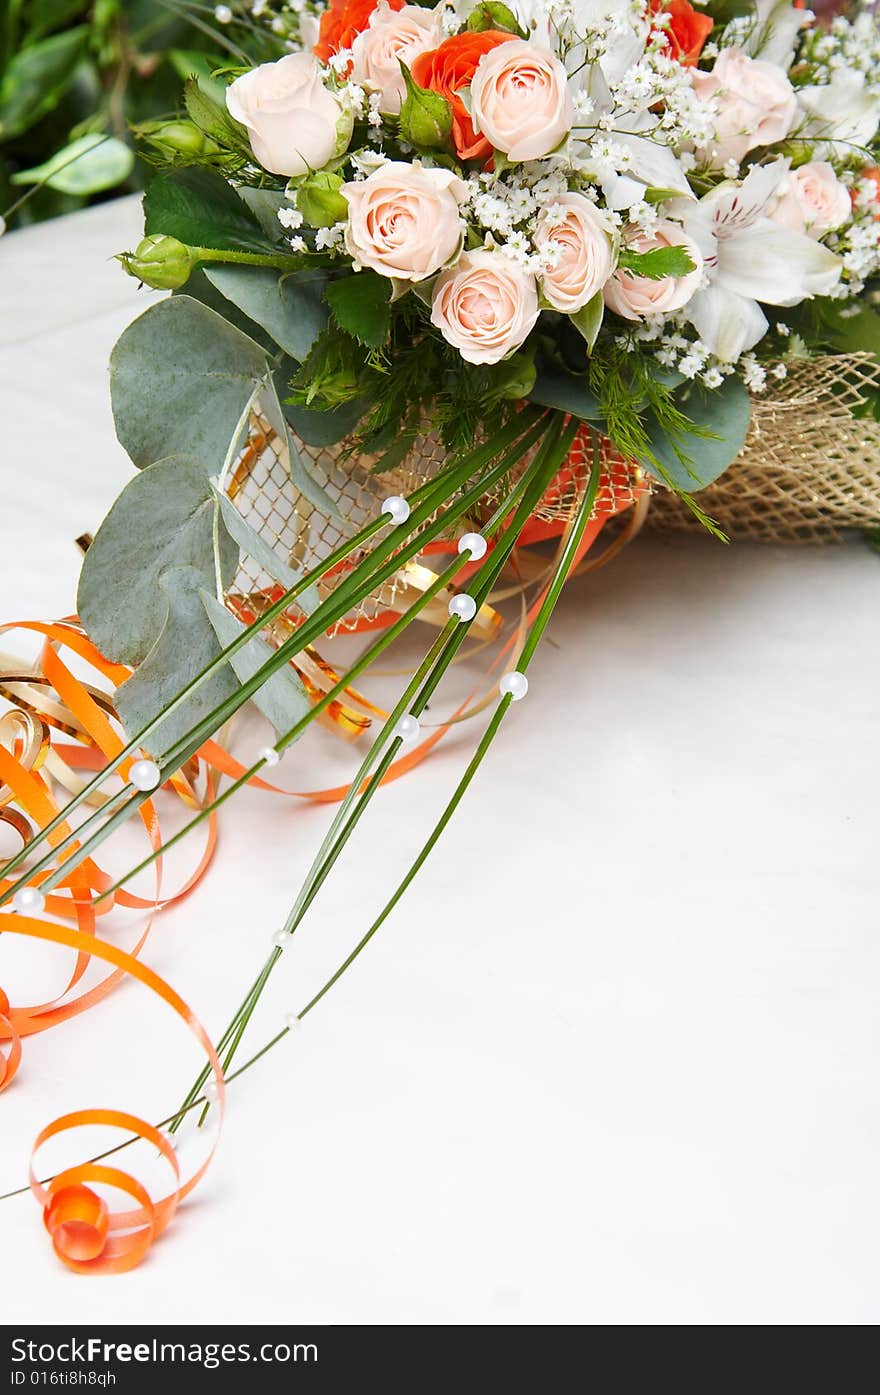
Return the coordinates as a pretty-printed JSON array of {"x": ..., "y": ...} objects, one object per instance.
[
  {"x": 341, "y": 23},
  {"x": 447, "y": 70},
  {"x": 872, "y": 173},
  {"x": 687, "y": 30}
]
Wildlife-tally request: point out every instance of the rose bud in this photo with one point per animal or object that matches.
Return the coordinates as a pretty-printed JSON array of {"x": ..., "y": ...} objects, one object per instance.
[{"x": 161, "y": 262}]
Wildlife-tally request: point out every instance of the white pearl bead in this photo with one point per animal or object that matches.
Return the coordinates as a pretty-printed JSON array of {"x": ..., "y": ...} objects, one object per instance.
[
  {"x": 223, "y": 14},
  {"x": 514, "y": 683},
  {"x": 464, "y": 607},
  {"x": 29, "y": 901},
  {"x": 268, "y": 755},
  {"x": 292, "y": 1022},
  {"x": 407, "y": 728},
  {"x": 144, "y": 775},
  {"x": 281, "y": 939},
  {"x": 397, "y": 508},
  {"x": 474, "y": 543},
  {"x": 211, "y": 1091}
]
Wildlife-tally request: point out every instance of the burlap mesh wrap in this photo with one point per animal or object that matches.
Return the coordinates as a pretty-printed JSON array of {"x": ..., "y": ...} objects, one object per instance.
[{"x": 810, "y": 472}]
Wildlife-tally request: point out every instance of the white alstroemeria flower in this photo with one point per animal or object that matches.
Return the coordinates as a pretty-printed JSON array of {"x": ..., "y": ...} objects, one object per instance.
[
  {"x": 774, "y": 35},
  {"x": 749, "y": 259},
  {"x": 840, "y": 111}
]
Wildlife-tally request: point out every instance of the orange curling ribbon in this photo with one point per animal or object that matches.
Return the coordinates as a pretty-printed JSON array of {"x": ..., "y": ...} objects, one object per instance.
[{"x": 86, "y": 1236}]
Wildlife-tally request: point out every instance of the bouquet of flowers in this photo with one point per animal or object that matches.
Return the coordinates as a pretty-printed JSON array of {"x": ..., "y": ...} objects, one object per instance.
[{"x": 448, "y": 283}]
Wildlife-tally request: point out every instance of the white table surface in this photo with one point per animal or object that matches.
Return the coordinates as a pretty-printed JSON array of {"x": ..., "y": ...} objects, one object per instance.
[{"x": 614, "y": 1058}]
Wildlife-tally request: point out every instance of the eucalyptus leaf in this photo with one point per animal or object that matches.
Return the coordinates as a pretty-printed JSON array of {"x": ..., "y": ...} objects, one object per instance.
[
  {"x": 166, "y": 517},
  {"x": 187, "y": 643},
  {"x": 86, "y": 166},
  {"x": 198, "y": 287},
  {"x": 36, "y": 78},
  {"x": 200, "y": 209},
  {"x": 569, "y": 392},
  {"x": 253, "y": 546},
  {"x": 723, "y": 411},
  {"x": 181, "y": 378},
  {"x": 282, "y": 699},
  {"x": 291, "y": 308}
]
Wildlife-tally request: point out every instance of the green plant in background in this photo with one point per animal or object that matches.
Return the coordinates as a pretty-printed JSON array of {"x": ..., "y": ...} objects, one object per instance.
[{"x": 76, "y": 78}]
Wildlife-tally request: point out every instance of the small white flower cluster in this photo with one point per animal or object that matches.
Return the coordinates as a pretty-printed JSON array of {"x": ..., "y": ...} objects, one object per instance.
[{"x": 848, "y": 46}]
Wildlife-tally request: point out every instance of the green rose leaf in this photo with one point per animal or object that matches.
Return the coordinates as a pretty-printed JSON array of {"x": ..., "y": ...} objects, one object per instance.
[
  {"x": 186, "y": 644},
  {"x": 36, "y": 79},
  {"x": 86, "y": 166},
  {"x": 181, "y": 378},
  {"x": 657, "y": 265},
  {"x": 290, "y": 308},
  {"x": 282, "y": 698},
  {"x": 361, "y": 305},
  {"x": 210, "y": 115},
  {"x": 188, "y": 63},
  {"x": 165, "y": 518},
  {"x": 723, "y": 411},
  {"x": 198, "y": 207}
]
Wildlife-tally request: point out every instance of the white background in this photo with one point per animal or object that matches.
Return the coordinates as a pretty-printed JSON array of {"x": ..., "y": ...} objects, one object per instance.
[{"x": 614, "y": 1058}]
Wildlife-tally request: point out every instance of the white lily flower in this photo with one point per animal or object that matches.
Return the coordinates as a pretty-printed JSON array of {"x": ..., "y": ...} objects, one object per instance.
[
  {"x": 773, "y": 36},
  {"x": 749, "y": 259},
  {"x": 840, "y": 113}
]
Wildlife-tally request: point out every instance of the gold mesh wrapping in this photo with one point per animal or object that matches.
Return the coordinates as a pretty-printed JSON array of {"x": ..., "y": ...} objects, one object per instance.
[
  {"x": 810, "y": 469},
  {"x": 810, "y": 472}
]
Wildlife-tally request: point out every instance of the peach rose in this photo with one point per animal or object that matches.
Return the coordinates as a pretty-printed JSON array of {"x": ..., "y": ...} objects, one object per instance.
[
  {"x": 812, "y": 200},
  {"x": 586, "y": 259},
  {"x": 485, "y": 306},
  {"x": 755, "y": 101},
  {"x": 294, "y": 123},
  {"x": 635, "y": 297},
  {"x": 404, "y": 221},
  {"x": 520, "y": 100},
  {"x": 392, "y": 37}
]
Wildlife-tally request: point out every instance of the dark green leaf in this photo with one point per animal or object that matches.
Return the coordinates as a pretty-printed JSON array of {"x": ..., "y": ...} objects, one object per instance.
[
  {"x": 45, "y": 16},
  {"x": 290, "y": 308},
  {"x": 166, "y": 517},
  {"x": 723, "y": 411},
  {"x": 198, "y": 207},
  {"x": 566, "y": 391},
  {"x": 853, "y": 333},
  {"x": 361, "y": 305},
  {"x": 318, "y": 428},
  {"x": 188, "y": 63},
  {"x": 36, "y": 78}
]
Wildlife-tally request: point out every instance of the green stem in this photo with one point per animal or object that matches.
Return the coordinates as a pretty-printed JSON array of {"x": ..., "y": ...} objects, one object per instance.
[
  {"x": 551, "y": 453},
  {"x": 322, "y": 618},
  {"x": 274, "y": 259}
]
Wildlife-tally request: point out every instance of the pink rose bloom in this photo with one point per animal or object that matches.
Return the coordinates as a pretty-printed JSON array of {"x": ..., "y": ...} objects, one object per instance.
[
  {"x": 812, "y": 200},
  {"x": 404, "y": 221},
  {"x": 755, "y": 101},
  {"x": 294, "y": 123},
  {"x": 520, "y": 100},
  {"x": 586, "y": 258},
  {"x": 485, "y": 306},
  {"x": 391, "y": 37},
  {"x": 635, "y": 297}
]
